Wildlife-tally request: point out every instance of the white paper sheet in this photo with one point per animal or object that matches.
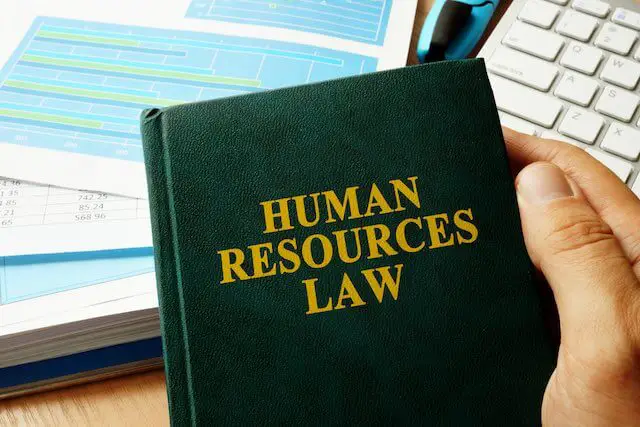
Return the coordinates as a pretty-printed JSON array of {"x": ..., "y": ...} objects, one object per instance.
[
  {"x": 105, "y": 299},
  {"x": 39, "y": 291},
  {"x": 37, "y": 219},
  {"x": 78, "y": 73}
]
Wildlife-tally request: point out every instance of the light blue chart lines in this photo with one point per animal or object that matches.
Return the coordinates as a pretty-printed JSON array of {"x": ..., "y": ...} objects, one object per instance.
[
  {"x": 360, "y": 20},
  {"x": 77, "y": 86}
]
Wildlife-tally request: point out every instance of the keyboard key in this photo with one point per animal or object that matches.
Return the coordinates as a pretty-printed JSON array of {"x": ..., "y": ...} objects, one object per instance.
[
  {"x": 539, "y": 13},
  {"x": 522, "y": 68},
  {"x": 617, "y": 103},
  {"x": 621, "y": 71},
  {"x": 526, "y": 103},
  {"x": 532, "y": 40},
  {"x": 618, "y": 166},
  {"x": 581, "y": 57},
  {"x": 627, "y": 18},
  {"x": 517, "y": 124},
  {"x": 592, "y": 7},
  {"x": 549, "y": 134},
  {"x": 636, "y": 187},
  {"x": 577, "y": 25},
  {"x": 581, "y": 125},
  {"x": 623, "y": 141},
  {"x": 616, "y": 38},
  {"x": 576, "y": 88},
  {"x": 560, "y": 2}
]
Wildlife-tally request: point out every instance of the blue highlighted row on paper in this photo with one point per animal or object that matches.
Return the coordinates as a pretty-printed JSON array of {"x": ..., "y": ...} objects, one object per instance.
[
  {"x": 360, "y": 20},
  {"x": 79, "y": 86},
  {"x": 32, "y": 276}
]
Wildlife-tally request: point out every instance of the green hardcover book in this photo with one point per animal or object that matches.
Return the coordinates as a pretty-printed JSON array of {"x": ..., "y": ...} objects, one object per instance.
[{"x": 347, "y": 252}]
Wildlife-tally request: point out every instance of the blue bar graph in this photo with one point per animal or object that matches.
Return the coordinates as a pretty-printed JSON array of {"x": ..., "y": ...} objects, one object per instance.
[
  {"x": 78, "y": 86},
  {"x": 360, "y": 20},
  {"x": 117, "y": 48}
]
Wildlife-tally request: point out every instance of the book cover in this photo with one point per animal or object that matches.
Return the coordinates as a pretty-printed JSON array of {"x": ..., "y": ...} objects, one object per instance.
[{"x": 347, "y": 252}]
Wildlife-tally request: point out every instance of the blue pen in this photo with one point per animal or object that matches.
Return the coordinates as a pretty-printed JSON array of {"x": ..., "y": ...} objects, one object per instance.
[{"x": 453, "y": 28}]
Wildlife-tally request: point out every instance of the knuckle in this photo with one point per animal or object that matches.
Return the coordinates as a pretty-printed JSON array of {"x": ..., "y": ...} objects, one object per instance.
[
  {"x": 567, "y": 155},
  {"x": 590, "y": 236},
  {"x": 632, "y": 244},
  {"x": 574, "y": 161}
]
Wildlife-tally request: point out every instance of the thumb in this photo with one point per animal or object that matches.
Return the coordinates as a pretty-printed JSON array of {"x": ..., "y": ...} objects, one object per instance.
[{"x": 592, "y": 280}]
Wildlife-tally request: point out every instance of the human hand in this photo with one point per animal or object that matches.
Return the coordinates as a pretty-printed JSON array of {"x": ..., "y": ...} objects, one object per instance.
[{"x": 582, "y": 230}]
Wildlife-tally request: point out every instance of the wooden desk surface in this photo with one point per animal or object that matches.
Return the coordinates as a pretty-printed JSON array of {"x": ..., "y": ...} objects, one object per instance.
[{"x": 136, "y": 400}]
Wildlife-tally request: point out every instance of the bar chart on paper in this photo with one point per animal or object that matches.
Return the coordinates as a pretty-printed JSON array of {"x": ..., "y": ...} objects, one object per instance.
[
  {"x": 360, "y": 20},
  {"x": 79, "y": 87}
]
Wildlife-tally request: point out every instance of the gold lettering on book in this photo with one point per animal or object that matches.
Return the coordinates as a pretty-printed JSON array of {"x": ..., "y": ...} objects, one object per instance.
[{"x": 364, "y": 243}]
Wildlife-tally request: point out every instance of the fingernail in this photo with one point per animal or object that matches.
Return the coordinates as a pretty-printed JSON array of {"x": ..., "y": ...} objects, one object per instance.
[{"x": 541, "y": 182}]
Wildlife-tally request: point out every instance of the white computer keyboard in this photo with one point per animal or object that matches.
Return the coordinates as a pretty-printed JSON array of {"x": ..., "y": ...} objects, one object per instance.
[{"x": 569, "y": 70}]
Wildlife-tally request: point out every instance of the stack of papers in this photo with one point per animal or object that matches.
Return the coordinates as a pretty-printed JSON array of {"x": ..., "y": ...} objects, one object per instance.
[
  {"x": 76, "y": 264},
  {"x": 84, "y": 312}
]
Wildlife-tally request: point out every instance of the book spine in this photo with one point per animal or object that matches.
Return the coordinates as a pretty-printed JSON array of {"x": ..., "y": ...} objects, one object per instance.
[{"x": 167, "y": 275}]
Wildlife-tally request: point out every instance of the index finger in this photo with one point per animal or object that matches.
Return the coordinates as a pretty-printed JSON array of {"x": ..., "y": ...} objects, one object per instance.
[{"x": 611, "y": 199}]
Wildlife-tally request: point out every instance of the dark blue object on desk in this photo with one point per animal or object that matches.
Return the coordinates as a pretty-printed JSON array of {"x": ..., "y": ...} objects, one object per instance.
[{"x": 74, "y": 364}]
